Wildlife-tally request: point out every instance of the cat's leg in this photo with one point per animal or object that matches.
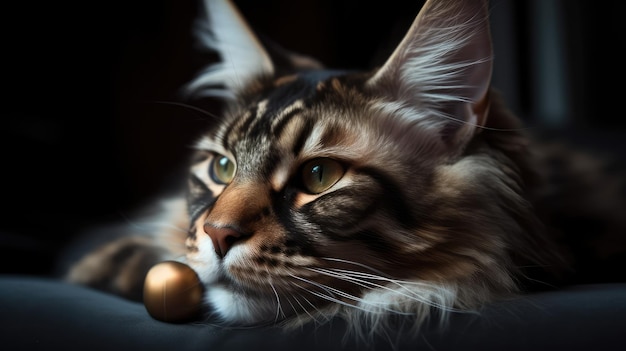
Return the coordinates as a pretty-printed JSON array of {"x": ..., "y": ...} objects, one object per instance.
[{"x": 120, "y": 265}]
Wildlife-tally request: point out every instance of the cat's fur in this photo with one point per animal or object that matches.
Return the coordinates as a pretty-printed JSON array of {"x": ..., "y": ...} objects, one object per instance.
[{"x": 435, "y": 207}]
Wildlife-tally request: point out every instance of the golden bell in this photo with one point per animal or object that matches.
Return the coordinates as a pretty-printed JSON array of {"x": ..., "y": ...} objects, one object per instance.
[{"x": 172, "y": 292}]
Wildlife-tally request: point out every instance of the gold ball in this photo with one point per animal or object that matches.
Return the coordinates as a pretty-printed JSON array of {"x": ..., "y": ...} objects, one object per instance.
[{"x": 172, "y": 292}]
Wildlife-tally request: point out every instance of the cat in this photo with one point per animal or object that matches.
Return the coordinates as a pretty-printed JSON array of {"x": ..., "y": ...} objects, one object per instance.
[{"x": 409, "y": 190}]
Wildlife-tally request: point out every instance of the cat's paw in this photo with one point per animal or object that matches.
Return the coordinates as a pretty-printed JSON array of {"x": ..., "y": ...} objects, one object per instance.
[{"x": 119, "y": 267}]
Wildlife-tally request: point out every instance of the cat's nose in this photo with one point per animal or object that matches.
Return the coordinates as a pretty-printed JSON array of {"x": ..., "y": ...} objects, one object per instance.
[{"x": 223, "y": 237}]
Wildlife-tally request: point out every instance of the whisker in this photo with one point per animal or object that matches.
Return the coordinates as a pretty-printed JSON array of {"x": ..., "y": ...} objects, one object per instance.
[
  {"x": 279, "y": 310},
  {"x": 342, "y": 294},
  {"x": 303, "y": 308},
  {"x": 363, "y": 283},
  {"x": 311, "y": 316},
  {"x": 346, "y": 276},
  {"x": 316, "y": 309},
  {"x": 325, "y": 297},
  {"x": 356, "y": 264},
  {"x": 381, "y": 276},
  {"x": 401, "y": 283},
  {"x": 213, "y": 116},
  {"x": 293, "y": 308}
]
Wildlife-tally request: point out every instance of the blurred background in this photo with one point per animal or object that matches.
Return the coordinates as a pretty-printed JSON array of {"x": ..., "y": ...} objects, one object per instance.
[{"x": 85, "y": 139}]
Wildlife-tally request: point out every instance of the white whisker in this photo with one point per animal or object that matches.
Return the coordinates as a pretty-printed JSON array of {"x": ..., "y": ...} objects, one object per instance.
[
  {"x": 412, "y": 294},
  {"x": 304, "y": 308},
  {"x": 315, "y": 308},
  {"x": 354, "y": 263},
  {"x": 213, "y": 116},
  {"x": 293, "y": 308},
  {"x": 342, "y": 294},
  {"x": 279, "y": 310},
  {"x": 330, "y": 290},
  {"x": 325, "y": 297}
]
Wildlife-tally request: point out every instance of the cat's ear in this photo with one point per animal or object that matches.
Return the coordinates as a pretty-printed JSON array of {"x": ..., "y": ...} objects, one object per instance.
[
  {"x": 441, "y": 71},
  {"x": 221, "y": 28}
]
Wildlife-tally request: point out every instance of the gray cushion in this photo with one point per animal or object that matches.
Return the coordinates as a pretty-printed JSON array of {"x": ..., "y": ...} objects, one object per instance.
[{"x": 46, "y": 314}]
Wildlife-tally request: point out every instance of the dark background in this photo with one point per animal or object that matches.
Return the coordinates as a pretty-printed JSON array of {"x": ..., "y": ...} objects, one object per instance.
[{"x": 84, "y": 139}]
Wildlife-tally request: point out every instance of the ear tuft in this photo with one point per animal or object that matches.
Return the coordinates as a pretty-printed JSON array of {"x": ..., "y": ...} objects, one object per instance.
[
  {"x": 442, "y": 69},
  {"x": 221, "y": 28}
]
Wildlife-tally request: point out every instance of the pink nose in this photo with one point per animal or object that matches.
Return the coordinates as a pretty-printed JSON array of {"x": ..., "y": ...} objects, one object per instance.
[{"x": 223, "y": 238}]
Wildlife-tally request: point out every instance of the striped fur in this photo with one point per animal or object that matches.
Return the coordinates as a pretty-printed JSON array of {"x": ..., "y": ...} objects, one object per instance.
[{"x": 433, "y": 211}]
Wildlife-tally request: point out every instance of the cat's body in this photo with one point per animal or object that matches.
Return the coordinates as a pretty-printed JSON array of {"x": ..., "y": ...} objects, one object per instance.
[{"x": 400, "y": 191}]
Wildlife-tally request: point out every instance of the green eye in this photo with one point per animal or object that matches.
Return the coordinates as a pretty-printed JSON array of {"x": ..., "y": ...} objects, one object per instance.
[
  {"x": 222, "y": 170},
  {"x": 320, "y": 174}
]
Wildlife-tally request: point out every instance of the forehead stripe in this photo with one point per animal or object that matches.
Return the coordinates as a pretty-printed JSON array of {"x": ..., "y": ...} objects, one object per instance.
[
  {"x": 256, "y": 125},
  {"x": 284, "y": 120},
  {"x": 239, "y": 125},
  {"x": 286, "y": 112},
  {"x": 302, "y": 137}
]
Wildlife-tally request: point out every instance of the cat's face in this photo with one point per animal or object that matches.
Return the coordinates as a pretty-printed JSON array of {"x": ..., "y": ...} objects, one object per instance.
[
  {"x": 306, "y": 195},
  {"x": 319, "y": 189}
]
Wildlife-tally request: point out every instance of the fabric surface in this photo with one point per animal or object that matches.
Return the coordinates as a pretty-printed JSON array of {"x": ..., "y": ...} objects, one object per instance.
[{"x": 46, "y": 314}]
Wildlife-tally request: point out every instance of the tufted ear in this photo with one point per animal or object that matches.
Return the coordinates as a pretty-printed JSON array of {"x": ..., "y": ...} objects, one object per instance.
[
  {"x": 221, "y": 28},
  {"x": 440, "y": 72}
]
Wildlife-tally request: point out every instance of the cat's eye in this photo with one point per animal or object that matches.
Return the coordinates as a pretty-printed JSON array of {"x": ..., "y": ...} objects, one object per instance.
[
  {"x": 320, "y": 174},
  {"x": 222, "y": 169}
]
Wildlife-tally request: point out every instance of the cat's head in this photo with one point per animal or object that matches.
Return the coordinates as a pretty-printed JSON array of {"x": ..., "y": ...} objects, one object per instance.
[{"x": 378, "y": 191}]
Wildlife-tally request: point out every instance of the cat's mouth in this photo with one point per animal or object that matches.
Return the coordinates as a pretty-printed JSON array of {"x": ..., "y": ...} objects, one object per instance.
[
  {"x": 257, "y": 280},
  {"x": 265, "y": 299}
]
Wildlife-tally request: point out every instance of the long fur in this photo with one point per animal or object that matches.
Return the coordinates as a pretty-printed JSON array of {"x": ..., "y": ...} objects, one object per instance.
[{"x": 432, "y": 210}]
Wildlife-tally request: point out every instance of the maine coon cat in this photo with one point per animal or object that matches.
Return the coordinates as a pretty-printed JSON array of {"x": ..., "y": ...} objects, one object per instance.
[{"x": 406, "y": 190}]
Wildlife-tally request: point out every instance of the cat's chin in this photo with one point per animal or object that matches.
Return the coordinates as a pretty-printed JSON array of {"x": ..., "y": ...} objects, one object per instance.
[
  {"x": 376, "y": 310},
  {"x": 241, "y": 308}
]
